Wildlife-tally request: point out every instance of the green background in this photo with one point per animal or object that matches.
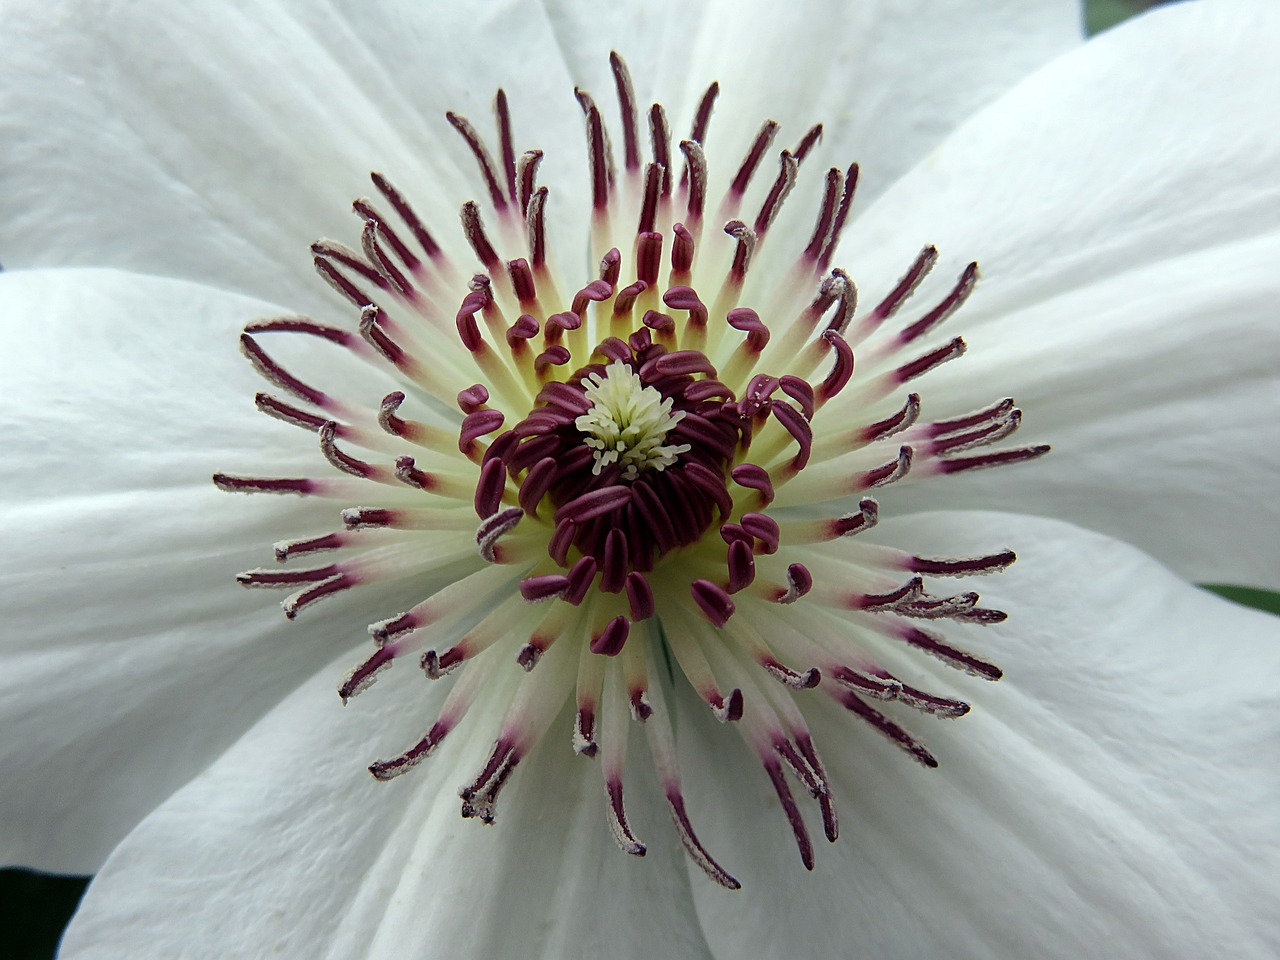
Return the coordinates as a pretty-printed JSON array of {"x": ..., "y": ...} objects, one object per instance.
[{"x": 35, "y": 907}]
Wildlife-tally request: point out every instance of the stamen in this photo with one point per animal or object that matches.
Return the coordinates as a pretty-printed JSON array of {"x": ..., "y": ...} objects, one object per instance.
[{"x": 627, "y": 106}]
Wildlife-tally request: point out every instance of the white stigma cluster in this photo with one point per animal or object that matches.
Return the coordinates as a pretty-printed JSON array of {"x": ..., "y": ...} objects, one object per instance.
[{"x": 628, "y": 423}]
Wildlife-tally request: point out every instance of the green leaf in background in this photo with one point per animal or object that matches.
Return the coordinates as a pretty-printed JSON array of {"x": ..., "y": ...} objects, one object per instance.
[
  {"x": 35, "y": 907},
  {"x": 1247, "y": 596},
  {"x": 1101, "y": 14}
]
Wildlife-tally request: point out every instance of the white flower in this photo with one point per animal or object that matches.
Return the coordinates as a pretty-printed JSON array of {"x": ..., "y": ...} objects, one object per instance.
[{"x": 1116, "y": 788}]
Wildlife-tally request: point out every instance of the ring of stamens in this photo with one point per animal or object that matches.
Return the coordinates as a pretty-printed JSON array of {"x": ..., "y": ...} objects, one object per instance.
[{"x": 587, "y": 471}]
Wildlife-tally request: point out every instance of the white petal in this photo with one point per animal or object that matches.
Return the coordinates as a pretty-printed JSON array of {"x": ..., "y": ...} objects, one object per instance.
[
  {"x": 130, "y": 656},
  {"x": 287, "y": 845},
  {"x": 888, "y": 80},
  {"x": 216, "y": 148},
  {"x": 1127, "y": 247},
  {"x": 1117, "y": 787}
]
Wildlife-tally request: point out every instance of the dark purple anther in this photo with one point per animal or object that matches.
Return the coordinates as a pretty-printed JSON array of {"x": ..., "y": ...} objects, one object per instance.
[
  {"x": 660, "y": 143},
  {"x": 366, "y": 672},
  {"x": 695, "y": 176},
  {"x": 545, "y": 587},
  {"x": 469, "y": 400},
  {"x": 962, "y": 566},
  {"x": 473, "y": 228},
  {"x": 536, "y": 484},
  {"x": 799, "y": 583},
  {"x": 377, "y": 338},
  {"x": 659, "y": 323},
  {"x": 826, "y": 215},
  {"x": 747, "y": 320},
  {"x": 842, "y": 215},
  {"x": 522, "y": 281},
  {"x": 385, "y": 770},
  {"x": 842, "y": 371},
  {"x": 561, "y": 540},
  {"x": 887, "y": 473},
  {"x": 477, "y": 424},
  {"x": 617, "y": 560},
  {"x": 649, "y": 205},
  {"x": 525, "y": 328},
  {"x": 786, "y": 180},
  {"x": 932, "y": 359},
  {"x": 799, "y": 391},
  {"x": 594, "y": 503},
  {"x": 584, "y": 732},
  {"x": 649, "y": 257},
  {"x": 949, "y": 305},
  {"x": 288, "y": 413},
  {"x": 340, "y": 459},
  {"x": 866, "y": 517},
  {"x": 681, "y": 249},
  {"x": 581, "y": 577},
  {"x": 468, "y": 329},
  {"x": 683, "y": 363},
  {"x": 556, "y": 355},
  {"x": 1003, "y": 458},
  {"x": 754, "y": 477},
  {"x": 611, "y": 640},
  {"x": 713, "y": 601},
  {"x": 408, "y": 474},
  {"x": 363, "y": 518},
  {"x": 685, "y": 298},
  {"x": 626, "y": 297},
  {"x": 273, "y": 372},
  {"x": 611, "y": 268},
  {"x": 751, "y": 162},
  {"x": 366, "y": 211},
  {"x": 536, "y": 227},
  {"x": 933, "y": 644},
  {"x": 596, "y": 291},
  {"x": 792, "y": 678},
  {"x": 746, "y": 245},
  {"x": 481, "y": 154},
  {"x": 742, "y": 566},
  {"x": 489, "y": 488},
  {"x": 639, "y": 596},
  {"x": 896, "y": 423},
  {"x": 764, "y": 528},
  {"x": 627, "y": 107},
  {"x": 803, "y": 843}
]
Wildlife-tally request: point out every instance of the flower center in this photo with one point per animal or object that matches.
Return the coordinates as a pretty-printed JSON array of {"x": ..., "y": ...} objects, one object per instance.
[
  {"x": 628, "y": 422},
  {"x": 665, "y": 474}
]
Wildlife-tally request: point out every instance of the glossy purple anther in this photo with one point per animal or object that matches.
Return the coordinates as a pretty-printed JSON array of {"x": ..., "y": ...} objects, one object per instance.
[
  {"x": 742, "y": 566},
  {"x": 544, "y": 587},
  {"x": 610, "y": 641},
  {"x": 639, "y": 596},
  {"x": 799, "y": 583},
  {"x": 747, "y": 320},
  {"x": 764, "y": 528},
  {"x": 713, "y": 601},
  {"x": 754, "y": 477},
  {"x": 686, "y": 298}
]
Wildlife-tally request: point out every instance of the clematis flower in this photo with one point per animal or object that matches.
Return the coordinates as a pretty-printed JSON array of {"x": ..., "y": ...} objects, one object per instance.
[{"x": 585, "y": 454}]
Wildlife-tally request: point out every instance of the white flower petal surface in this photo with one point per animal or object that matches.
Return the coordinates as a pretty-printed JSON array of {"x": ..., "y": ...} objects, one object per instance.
[
  {"x": 131, "y": 656},
  {"x": 1116, "y": 791},
  {"x": 1128, "y": 248},
  {"x": 296, "y": 851},
  {"x": 214, "y": 148},
  {"x": 888, "y": 79}
]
